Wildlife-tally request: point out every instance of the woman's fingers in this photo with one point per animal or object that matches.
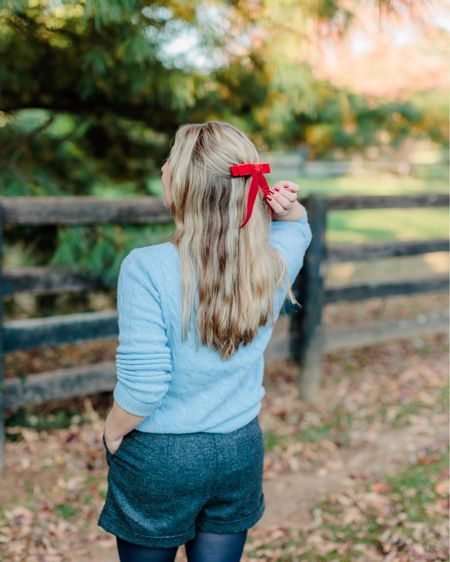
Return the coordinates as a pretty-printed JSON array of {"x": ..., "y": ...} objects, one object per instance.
[
  {"x": 287, "y": 189},
  {"x": 281, "y": 199},
  {"x": 278, "y": 209},
  {"x": 283, "y": 196},
  {"x": 279, "y": 203},
  {"x": 287, "y": 194},
  {"x": 287, "y": 186}
]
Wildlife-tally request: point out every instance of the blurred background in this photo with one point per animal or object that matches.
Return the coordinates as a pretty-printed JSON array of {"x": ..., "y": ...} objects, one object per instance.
[
  {"x": 346, "y": 98},
  {"x": 92, "y": 92}
]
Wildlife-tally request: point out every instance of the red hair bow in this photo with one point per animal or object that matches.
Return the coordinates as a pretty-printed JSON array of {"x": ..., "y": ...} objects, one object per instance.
[{"x": 257, "y": 172}]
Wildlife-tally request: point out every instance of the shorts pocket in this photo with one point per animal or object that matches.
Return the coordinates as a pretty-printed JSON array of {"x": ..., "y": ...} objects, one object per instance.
[
  {"x": 142, "y": 471},
  {"x": 107, "y": 451}
]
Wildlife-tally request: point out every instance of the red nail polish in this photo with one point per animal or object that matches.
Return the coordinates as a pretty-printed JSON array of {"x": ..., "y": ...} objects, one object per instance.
[{"x": 277, "y": 189}]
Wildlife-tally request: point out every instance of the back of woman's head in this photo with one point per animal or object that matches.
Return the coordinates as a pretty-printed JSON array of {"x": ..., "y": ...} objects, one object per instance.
[{"x": 235, "y": 270}]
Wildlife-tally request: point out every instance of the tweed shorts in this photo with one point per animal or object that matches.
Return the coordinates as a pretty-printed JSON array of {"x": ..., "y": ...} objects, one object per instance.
[{"x": 164, "y": 486}]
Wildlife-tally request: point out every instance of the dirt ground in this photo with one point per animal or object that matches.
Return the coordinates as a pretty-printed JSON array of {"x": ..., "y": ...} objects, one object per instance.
[{"x": 381, "y": 407}]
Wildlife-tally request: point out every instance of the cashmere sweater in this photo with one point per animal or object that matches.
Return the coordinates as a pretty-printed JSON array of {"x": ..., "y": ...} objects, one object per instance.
[{"x": 178, "y": 388}]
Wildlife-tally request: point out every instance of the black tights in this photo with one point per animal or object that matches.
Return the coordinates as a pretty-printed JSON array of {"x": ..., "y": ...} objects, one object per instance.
[{"x": 204, "y": 547}]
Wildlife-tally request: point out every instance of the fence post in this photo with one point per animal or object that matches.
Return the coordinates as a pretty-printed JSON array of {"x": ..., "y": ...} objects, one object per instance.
[
  {"x": 2, "y": 386},
  {"x": 306, "y": 326}
]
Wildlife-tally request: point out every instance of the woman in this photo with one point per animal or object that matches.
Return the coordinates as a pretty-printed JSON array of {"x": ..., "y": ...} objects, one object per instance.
[{"x": 183, "y": 442}]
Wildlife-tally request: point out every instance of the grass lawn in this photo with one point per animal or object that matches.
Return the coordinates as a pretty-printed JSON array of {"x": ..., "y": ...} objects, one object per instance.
[{"x": 368, "y": 225}]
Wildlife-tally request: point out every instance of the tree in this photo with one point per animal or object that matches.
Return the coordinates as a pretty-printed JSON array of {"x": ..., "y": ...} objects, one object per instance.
[{"x": 90, "y": 97}]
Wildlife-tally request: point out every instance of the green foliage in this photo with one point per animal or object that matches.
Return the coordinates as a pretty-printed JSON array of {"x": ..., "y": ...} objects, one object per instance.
[
  {"x": 90, "y": 100},
  {"x": 96, "y": 72}
]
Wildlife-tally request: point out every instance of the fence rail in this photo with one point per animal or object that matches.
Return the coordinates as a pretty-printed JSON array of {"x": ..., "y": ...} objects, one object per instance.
[{"x": 307, "y": 340}]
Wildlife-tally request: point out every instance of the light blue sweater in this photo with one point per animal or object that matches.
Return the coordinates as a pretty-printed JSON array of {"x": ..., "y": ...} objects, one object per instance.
[{"x": 177, "y": 388}]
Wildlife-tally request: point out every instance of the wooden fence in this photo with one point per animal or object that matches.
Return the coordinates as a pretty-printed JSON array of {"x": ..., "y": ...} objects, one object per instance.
[{"x": 307, "y": 340}]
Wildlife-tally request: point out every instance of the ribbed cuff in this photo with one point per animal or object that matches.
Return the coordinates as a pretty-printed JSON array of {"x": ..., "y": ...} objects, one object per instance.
[{"x": 129, "y": 404}]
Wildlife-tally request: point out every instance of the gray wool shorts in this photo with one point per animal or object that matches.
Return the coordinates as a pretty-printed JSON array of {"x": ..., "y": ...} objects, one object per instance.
[{"x": 162, "y": 487}]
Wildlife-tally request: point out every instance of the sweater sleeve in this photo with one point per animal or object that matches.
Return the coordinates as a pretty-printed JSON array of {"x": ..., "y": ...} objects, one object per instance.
[
  {"x": 292, "y": 239},
  {"x": 143, "y": 357}
]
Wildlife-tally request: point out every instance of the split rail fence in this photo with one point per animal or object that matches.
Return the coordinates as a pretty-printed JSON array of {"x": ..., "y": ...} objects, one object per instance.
[{"x": 307, "y": 339}]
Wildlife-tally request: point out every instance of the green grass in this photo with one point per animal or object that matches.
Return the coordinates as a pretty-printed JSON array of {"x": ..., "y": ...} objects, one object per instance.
[
  {"x": 61, "y": 419},
  {"x": 375, "y": 184},
  {"x": 376, "y": 225},
  {"x": 335, "y": 428},
  {"x": 272, "y": 440},
  {"x": 367, "y": 225},
  {"x": 417, "y": 407},
  {"x": 65, "y": 510}
]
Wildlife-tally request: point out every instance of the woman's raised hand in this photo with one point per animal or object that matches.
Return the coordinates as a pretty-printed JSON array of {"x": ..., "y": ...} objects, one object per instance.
[{"x": 283, "y": 198}]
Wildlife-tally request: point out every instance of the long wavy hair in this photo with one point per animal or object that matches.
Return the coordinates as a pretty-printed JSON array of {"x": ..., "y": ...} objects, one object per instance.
[{"x": 235, "y": 269}]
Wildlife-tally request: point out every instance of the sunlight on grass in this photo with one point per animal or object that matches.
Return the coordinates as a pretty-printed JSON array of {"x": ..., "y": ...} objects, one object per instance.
[
  {"x": 381, "y": 270},
  {"x": 375, "y": 225},
  {"x": 373, "y": 184}
]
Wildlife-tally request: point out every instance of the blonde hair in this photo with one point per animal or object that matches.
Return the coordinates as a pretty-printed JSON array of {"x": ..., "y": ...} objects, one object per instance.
[{"x": 236, "y": 269}]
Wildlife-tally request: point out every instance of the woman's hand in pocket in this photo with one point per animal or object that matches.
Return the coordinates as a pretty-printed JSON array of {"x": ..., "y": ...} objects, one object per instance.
[{"x": 112, "y": 444}]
